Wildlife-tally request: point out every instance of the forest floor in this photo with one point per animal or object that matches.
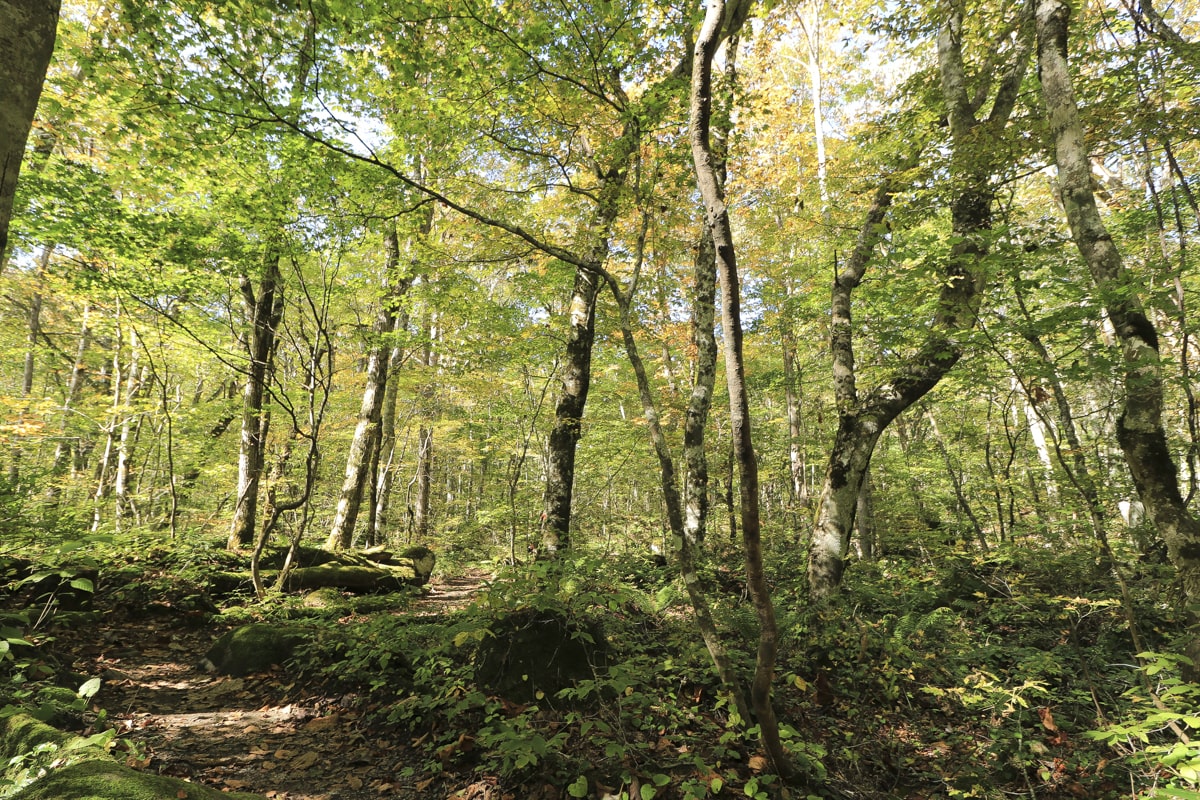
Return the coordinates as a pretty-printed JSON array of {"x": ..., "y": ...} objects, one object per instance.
[{"x": 265, "y": 733}]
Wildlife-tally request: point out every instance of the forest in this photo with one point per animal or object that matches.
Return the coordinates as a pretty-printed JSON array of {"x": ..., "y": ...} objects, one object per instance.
[{"x": 606, "y": 399}]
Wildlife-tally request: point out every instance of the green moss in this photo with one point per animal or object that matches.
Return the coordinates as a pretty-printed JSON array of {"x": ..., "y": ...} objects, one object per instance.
[
  {"x": 86, "y": 771},
  {"x": 253, "y": 648},
  {"x": 104, "y": 779}
]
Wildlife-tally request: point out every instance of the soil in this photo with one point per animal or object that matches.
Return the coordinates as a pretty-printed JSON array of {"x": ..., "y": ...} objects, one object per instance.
[{"x": 263, "y": 733}]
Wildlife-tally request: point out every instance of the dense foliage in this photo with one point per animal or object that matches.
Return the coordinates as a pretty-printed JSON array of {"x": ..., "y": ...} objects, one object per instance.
[{"x": 279, "y": 275}]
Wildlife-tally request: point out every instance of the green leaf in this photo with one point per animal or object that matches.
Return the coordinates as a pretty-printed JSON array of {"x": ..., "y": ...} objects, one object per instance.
[
  {"x": 648, "y": 792},
  {"x": 83, "y": 584},
  {"x": 89, "y": 688},
  {"x": 579, "y": 787}
]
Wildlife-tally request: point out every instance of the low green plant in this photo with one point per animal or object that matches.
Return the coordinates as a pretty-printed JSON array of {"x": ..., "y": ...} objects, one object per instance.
[{"x": 1154, "y": 732}]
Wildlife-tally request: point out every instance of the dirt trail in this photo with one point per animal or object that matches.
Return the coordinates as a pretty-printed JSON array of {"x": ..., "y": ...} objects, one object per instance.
[{"x": 264, "y": 733}]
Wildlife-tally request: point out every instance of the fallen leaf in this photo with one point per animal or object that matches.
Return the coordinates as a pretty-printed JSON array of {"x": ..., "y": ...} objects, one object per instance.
[
  {"x": 1047, "y": 720},
  {"x": 757, "y": 763},
  {"x": 322, "y": 723},
  {"x": 305, "y": 760},
  {"x": 354, "y": 782}
]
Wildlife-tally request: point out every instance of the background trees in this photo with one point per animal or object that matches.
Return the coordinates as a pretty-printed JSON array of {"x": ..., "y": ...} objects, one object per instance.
[{"x": 389, "y": 232}]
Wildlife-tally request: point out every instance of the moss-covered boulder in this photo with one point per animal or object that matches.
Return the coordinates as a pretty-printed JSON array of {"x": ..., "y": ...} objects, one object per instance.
[
  {"x": 325, "y": 597},
  {"x": 253, "y": 648},
  {"x": 48, "y": 764},
  {"x": 532, "y": 650}
]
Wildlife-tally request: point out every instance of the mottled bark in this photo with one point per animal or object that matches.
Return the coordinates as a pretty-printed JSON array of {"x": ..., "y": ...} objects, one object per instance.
[
  {"x": 27, "y": 32},
  {"x": 568, "y": 412},
  {"x": 717, "y": 215},
  {"x": 264, "y": 311},
  {"x": 704, "y": 379},
  {"x": 365, "y": 443},
  {"x": 1139, "y": 429},
  {"x": 976, "y": 153}
]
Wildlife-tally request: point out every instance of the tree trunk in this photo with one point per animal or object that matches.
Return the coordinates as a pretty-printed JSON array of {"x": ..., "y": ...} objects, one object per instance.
[
  {"x": 683, "y": 546},
  {"x": 421, "y": 510},
  {"x": 264, "y": 313},
  {"x": 27, "y": 32},
  {"x": 62, "y": 450},
  {"x": 976, "y": 153},
  {"x": 792, "y": 397},
  {"x": 1077, "y": 470},
  {"x": 699, "y": 125},
  {"x": 384, "y": 456},
  {"x": 364, "y": 447},
  {"x": 568, "y": 413},
  {"x": 1139, "y": 429},
  {"x": 33, "y": 337}
]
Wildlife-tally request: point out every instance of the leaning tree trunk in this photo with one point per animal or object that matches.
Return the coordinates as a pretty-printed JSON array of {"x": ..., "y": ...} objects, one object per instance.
[
  {"x": 364, "y": 447},
  {"x": 683, "y": 545},
  {"x": 264, "y": 312},
  {"x": 976, "y": 152},
  {"x": 27, "y": 32},
  {"x": 1139, "y": 428},
  {"x": 699, "y": 126}
]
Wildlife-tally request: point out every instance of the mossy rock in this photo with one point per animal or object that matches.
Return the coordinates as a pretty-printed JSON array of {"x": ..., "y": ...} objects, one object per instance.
[
  {"x": 253, "y": 648},
  {"x": 325, "y": 597},
  {"x": 84, "y": 770},
  {"x": 532, "y": 650}
]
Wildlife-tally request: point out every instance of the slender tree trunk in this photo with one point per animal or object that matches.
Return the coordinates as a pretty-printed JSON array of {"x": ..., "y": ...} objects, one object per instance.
[
  {"x": 33, "y": 337},
  {"x": 385, "y": 467},
  {"x": 63, "y": 449},
  {"x": 136, "y": 379},
  {"x": 28, "y": 29},
  {"x": 264, "y": 312},
  {"x": 422, "y": 510},
  {"x": 364, "y": 447},
  {"x": 699, "y": 125},
  {"x": 1139, "y": 429},
  {"x": 104, "y": 467},
  {"x": 792, "y": 397},
  {"x": 956, "y": 481},
  {"x": 864, "y": 520},
  {"x": 1076, "y": 468},
  {"x": 683, "y": 546},
  {"x": 424, "y": 478}
]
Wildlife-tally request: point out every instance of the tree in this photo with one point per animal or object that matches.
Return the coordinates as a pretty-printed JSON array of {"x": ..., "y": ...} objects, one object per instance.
[
  {"x": 365, "y": 446},
  {"x": 28, "y": 29},
  {"x": 1139, "y": 428},
  {"x": 976, "y": 156},
  {"x": 719, "y": 17}
]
